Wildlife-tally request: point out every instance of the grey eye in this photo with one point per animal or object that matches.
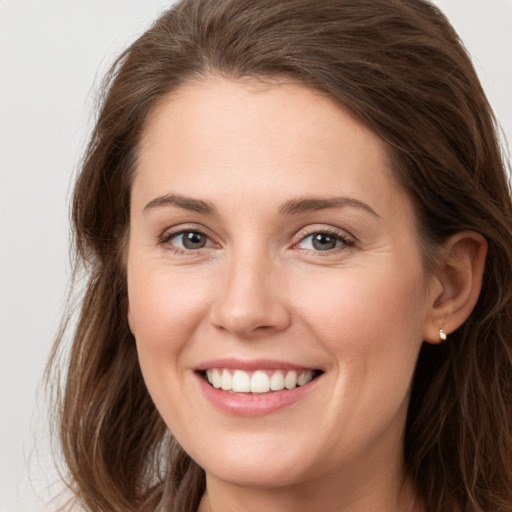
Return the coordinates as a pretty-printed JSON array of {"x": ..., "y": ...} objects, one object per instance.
[
  {"x": 193, "y": 239},
  {"x": 188, "y": 240},
  {"x": 323, "y": 241}
]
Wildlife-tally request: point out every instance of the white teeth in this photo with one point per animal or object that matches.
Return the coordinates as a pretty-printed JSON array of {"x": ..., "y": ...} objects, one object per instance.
[
  {"x": 277, "y": 381},
  {"x": 290, "y": 381},
  {"x": 226, "y": 381},
  {"x": 304, "y": 378},
  {"x": 215, "y": 378},
  {"x": 241, "y": 382},
  {"x": 261, "y": 381}
]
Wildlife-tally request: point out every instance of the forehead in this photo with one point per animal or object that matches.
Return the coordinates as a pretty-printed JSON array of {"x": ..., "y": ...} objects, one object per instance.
[{"x": 221, "y": 136}]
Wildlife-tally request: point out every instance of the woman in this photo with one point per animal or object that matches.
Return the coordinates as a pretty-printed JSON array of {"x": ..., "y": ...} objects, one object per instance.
[{"x": 296, "y": 227}]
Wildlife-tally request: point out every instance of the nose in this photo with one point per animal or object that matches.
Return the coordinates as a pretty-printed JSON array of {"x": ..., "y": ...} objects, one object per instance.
[{"x": 250, "y": 302}]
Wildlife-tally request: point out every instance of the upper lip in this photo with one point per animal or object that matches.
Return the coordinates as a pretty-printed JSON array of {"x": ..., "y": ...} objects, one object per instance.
[{"x": 250, "y": 365}]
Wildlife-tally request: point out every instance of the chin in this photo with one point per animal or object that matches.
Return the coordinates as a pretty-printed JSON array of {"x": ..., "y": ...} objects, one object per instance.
[
  {"x": 247, "y": 473},
  {"x": 259, "y": 460}
]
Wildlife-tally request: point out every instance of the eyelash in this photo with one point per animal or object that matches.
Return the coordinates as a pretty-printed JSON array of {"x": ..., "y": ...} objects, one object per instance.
[
  {"x": 346, "y": 242},
  {"x": 169, "y": 235}
]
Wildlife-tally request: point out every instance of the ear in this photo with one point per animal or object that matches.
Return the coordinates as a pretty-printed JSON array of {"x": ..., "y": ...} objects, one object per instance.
[{"x": 457, "y": 284}]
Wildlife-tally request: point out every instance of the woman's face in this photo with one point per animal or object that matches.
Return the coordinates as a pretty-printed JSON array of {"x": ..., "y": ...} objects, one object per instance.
[{"x": 270, "y": 248}]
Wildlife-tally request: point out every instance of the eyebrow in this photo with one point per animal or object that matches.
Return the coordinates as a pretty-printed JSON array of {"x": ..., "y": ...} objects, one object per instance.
[
  {"x": 187, "y": 203},
  {"x": 291, "y": 207},
  {"x": 307, "y": 204}
]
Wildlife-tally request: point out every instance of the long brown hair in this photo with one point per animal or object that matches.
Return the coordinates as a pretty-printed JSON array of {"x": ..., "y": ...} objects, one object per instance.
[{"x": 400, "y": 67}]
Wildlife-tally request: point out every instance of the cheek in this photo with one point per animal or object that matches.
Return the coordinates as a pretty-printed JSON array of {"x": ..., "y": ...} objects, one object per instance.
[
  {"x": 371, "y": 323},
  {"x": 366, "y": 302},
  {"x": 165, "y": 308}
]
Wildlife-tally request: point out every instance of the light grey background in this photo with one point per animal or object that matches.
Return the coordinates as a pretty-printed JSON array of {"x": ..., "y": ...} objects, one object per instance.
[{"x": 52, "y": 54}]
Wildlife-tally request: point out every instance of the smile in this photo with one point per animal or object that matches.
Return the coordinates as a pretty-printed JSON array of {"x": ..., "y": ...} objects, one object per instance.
[
  {"x": 257, "y": 387},
  {"x": 259, "y": 381}
]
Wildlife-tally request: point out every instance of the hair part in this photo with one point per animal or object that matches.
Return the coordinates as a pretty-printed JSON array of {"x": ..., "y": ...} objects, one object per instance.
[{"x": 399, "y": 66}]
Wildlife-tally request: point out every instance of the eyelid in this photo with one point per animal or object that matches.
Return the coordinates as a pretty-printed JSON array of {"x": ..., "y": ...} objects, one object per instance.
[
  {"x": 175, "y": 231},
  {"x": 347, "y": 239},
  {"x": 344, "y": 236}
]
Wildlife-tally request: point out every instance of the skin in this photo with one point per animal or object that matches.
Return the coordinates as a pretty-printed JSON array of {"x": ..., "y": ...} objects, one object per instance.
[{"x": 259, "y": 289}]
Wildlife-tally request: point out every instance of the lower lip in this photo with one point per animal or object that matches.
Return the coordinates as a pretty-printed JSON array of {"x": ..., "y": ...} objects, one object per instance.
[{"x": 247, "y": 404}]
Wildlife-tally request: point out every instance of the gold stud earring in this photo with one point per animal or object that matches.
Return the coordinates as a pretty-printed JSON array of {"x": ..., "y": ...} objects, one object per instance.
[{"x": 442, "y": 335}]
